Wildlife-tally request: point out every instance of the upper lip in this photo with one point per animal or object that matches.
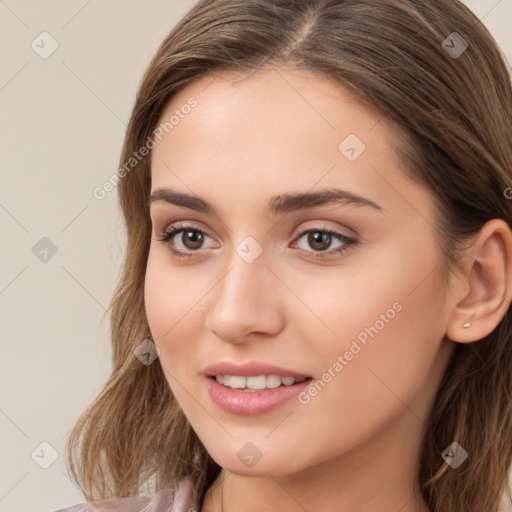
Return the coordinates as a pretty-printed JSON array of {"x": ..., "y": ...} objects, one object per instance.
[{"x": 249, "y": 369}]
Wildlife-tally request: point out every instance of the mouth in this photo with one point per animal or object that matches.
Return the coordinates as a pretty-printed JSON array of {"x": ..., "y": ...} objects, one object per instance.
[
  {"x": 246, "y": 401},
  {"x": 256, "y": 383},
  {"x": 252, "y": 387}
]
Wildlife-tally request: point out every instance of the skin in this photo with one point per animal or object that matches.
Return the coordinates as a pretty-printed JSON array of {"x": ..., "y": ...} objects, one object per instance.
[{"x": 356, "y": 445}]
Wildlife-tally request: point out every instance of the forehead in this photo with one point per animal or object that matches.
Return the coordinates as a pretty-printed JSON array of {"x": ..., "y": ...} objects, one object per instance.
[
  {"x": 265, "y": 132},
  {"x": 267, "y": 100}
]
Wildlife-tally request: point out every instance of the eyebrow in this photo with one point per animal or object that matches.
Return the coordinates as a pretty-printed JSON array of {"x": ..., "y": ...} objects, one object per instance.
[{"x": 283, "y": 203}]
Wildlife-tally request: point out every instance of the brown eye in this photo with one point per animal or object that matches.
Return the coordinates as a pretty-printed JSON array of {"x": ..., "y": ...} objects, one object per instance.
[
  {"x": 319, "y": 240},
  {"x": 183, "y": 240},
  {"x": 192, "y": 238}
]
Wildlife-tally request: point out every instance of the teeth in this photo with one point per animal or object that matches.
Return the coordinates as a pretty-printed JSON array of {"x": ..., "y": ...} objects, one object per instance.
[{"x": 255, "y": 383}]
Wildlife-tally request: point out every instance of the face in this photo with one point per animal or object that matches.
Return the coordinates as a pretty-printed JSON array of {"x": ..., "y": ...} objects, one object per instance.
[{"x": 344, "y": 291}]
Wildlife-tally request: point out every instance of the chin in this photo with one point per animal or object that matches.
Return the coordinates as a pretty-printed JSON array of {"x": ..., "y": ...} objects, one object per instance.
[{"x": 275, "y": 464}]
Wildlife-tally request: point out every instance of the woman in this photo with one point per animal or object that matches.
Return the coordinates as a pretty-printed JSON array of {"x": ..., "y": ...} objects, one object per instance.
[{"x": 314, "y": 307}]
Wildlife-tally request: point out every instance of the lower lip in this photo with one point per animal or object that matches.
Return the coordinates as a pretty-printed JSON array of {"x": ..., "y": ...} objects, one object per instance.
[{"x": 249, "y": 403}]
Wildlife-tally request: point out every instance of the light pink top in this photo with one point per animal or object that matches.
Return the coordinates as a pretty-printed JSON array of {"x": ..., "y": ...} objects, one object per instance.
[{"x": 184, "y": 499}]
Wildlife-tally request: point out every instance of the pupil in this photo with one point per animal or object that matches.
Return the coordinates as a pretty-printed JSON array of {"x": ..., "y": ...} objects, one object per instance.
[
  {"x": 195, "y": 238},
  {"x": 319, "y": 238}
]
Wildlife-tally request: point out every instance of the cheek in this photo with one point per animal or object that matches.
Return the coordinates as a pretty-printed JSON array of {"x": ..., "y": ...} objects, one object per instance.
[
  {"x": 340, "y": 304},
  {"x": 173, "y": 307},
  {"x": 172, "y": 296},
  {"x": 365, "y": 385},
  {"x": 386, "y": 326}
]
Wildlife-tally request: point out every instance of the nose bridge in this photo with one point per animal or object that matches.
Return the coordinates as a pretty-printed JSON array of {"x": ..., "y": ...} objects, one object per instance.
[
  {"x": 247, "y": 266},
  {"x": 244, "y": 300}
]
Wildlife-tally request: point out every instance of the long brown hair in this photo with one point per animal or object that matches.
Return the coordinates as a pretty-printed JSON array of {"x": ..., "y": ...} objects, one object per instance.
[{"x": 449, "y": 97}]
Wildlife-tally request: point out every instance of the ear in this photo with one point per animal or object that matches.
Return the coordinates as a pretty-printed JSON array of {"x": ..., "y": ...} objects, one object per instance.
[{"x": 483, "y": 292}]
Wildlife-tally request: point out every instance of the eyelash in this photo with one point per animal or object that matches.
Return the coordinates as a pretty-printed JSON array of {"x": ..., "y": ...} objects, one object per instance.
[{"x": 173, "y": 230}]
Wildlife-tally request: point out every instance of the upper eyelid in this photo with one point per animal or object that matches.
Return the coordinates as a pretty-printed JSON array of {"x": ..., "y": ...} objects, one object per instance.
[
  {"x": 191, "y": 224},
  {"x": 181, "y": 226}
]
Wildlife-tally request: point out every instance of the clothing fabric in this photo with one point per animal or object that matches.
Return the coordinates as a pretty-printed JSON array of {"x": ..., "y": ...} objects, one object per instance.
[{"x": 182, "y": 499}]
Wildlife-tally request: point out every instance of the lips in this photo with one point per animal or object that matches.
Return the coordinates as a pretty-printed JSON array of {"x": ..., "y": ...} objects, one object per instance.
[
  {"x": 250, "y": 369},
  {"x": 244, "y": 403}
]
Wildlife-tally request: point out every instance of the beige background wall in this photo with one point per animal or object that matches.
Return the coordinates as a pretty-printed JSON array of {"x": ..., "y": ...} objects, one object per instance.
[{"x": 61, "y": 127}]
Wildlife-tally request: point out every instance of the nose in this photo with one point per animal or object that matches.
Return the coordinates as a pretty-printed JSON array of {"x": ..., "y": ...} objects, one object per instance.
[{"x": 245, "y": 302}]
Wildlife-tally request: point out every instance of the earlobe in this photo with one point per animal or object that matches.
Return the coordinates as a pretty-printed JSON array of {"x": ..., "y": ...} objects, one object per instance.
[{"x": 485, "y": 289}]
